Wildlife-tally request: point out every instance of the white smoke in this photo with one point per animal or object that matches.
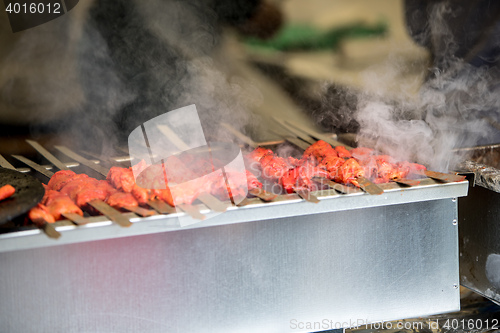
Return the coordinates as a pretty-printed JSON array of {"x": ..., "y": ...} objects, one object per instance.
[{"x": 454, "y": 107}]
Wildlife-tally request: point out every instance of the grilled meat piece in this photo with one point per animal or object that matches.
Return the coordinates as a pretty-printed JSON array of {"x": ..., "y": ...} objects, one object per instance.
[
  {"x": 59, "y": 203},
  {"x": 290, "y": 179},
  {"x": 122, "y": 200},
  {"x": 252, "y": 181},
  {"x": 101, "y": 191},
  {"x": 319, "y": 150},
  {"x": 272, "y": 166},
  {"x": 60, "y": 178},
  {"x": 343, "y": 152},
  {"x": 331, "y": 164},
  {"x": 72, "y": 188},
  {"x": 163, "y": 195},
  {"x": 349, "y": 172},
  {"x": 6, "y": 191},
  {"x": 300, "y": 178},
  {"x": 361, "y": 153},
  {"x": 40, "y": 215},
  {"x": 258, "y": 153},
  {"x": 121, "y": 178}
]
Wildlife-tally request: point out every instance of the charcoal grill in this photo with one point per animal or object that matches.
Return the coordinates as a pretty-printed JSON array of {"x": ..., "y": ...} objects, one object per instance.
[{"x": 262, "y": 267}]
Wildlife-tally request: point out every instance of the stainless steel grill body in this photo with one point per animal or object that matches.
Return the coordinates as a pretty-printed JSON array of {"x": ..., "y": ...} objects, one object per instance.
[
  {"x": 480, "y": 225},
  {"x": 259, "y": 268}
]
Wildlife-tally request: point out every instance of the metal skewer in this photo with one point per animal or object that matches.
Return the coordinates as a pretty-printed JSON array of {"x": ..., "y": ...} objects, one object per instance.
[
  {"x": 111, "y": 213},
  {"x": 47, "y": 228},
  {"x": 336, "y": 186},
  {"x": 75, "y": 218},
  {"x": 445, "y": 177},
  {"x": 262, "y": 194},
  {"x": 5, "y": 164},
  {"x": 364, "y": 183},
  {"x": 43, "y": 225},
  {"x": 245, "y": 139},
  {"x": 192, "y": 211},
  {"x": 161, "y": 207},
  {"x": 100, "y": 206},
  {"x": 88, "y": 163},
  {"x": 295, "y": 132},
  {"x": 45, "y": 153},
  {"x": 317, "y": 135},
  {"x": 140, "y": 211},
  {"x": 209, "y": 200},
  {"x": 406, "y": 181}
]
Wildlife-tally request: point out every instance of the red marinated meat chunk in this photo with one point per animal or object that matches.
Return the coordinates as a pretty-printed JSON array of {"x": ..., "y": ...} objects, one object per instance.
[
  {"x": 273, "y": 167},
  {"x": 258, "y": 153},
  {"x": 6, "y": 191},
  {"x": 301, "y": 178},
  {"x": 59, "y": 203},
  {"x": 289, "y": 180},
  {"x": 101, "y": 191},
  {"x": 40, "y": 214},
  {"x": 121, "y": 200},
  {"x": 164, "y": 195},
  {"x": 185, "y": 193},
  {"x": 252, "y": 181},
  {"x": 153, "y": 177},
  {"x": 121, "y": 178},
  {"x": 331, "y": 164},
  {"x": 361, "y": 153},
  {"x": 319, "y": 150},
  {"x": 60, "y": 178},
  {"x": 141, "y": 195},
  {"x": 349, "y": 172},
  {"x": 343, "y": 152},
  {"x": 74, "y": 187}
]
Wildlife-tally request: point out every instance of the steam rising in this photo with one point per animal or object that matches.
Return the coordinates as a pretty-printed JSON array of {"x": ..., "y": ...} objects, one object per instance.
[
  {"x": 455, "y": 107},
  {"x": 125, "y": 62}
]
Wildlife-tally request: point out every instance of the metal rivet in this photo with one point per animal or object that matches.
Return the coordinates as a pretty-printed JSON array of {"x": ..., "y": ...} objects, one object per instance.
[
  {"x": 454, "y": 199},
  {"x": 455, "y": 222},
  {"x": 455, "y": 286}
]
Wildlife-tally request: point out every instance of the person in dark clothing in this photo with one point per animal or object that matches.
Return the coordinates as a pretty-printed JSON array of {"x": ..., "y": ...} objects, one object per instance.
[
  {"x": 109, "y": 65},
  {"x": 463, "y": 38}
]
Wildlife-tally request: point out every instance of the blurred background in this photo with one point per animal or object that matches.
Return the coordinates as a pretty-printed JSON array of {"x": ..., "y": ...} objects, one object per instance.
[{"x": 295, "y": 59}]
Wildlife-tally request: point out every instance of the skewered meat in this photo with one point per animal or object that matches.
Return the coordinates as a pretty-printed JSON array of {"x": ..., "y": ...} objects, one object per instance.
[
  {"x": 331, "y": 164},
  {"x": 59, "y": 203},
  {"x": 361, "y": 162},
  {"x": 361, "y": 153},
  {"x": 6, "y": 191},
  {"x": 101, "y": 191},
  {"x": 349, "y": 172},
  {"x": 40, "y": 214},
  {"x": 122, "y": 200},
  {"x": 72, "y": 188},
  {"x": 60, "y": 178},
  {"x": 299, "y": 178},
  {"x": 272, "y": 166},
  {"x": 252, "y": 181},
  {"x": 319, "y": 150},
  {"x": 343, "y": 152},
  {"x": 121, "y": 178}
]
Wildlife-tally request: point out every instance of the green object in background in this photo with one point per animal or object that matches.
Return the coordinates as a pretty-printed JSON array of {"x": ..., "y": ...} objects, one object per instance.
[{"x": 308, "y": 38}]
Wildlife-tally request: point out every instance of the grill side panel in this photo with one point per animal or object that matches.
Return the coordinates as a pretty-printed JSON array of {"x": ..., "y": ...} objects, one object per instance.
[{"x": 379, "y": 263}]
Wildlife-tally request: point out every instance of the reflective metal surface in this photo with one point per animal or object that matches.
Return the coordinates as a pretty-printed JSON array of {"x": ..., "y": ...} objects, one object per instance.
[
  {"x": 284, "y": 206},
  {"x": 479, "y": 242},
  {"x": 349, "y": 257}
]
